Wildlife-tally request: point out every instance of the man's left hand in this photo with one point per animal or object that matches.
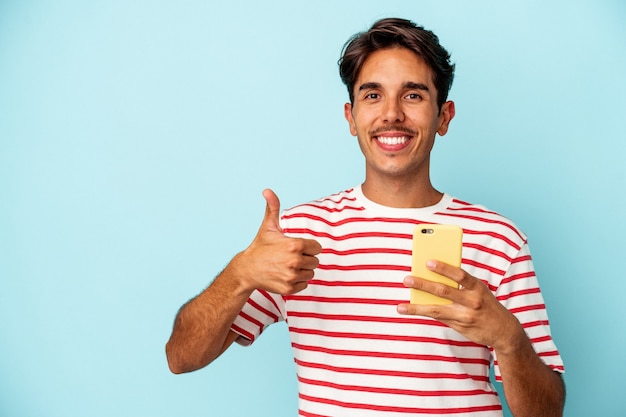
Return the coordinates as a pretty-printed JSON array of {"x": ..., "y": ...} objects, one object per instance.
[{"x": 475, "y": 312}]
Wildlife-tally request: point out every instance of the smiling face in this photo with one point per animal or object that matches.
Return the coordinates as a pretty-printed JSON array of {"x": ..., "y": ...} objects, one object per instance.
[{"x": 395, "y": 117}]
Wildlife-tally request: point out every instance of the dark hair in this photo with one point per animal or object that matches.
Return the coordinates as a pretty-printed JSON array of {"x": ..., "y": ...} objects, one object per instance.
[{"x": 393, "y": 32}]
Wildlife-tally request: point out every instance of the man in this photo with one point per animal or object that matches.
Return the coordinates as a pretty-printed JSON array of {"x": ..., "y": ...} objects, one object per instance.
[{"x": 336, "y": 269}]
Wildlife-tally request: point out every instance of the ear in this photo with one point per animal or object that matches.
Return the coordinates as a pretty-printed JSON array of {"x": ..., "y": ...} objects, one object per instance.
[
  {"x": 347, "y": 113},
  {"x": 445, "y": 116}
]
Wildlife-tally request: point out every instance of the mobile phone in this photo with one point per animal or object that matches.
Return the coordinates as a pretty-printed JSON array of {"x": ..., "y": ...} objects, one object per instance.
[{"x": 443, "y": 242}]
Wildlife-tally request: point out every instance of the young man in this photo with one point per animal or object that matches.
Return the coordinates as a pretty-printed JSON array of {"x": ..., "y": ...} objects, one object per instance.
[{"x": 336, "y": 269}]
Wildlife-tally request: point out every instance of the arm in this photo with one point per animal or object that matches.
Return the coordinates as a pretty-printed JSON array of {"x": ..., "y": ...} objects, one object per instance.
[
  {"x": 531, "y": 387},
  {"x": 202, "y": 326},
  {"x": 272, "y": 262}
]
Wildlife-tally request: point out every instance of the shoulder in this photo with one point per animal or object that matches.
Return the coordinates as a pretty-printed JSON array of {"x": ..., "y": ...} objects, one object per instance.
[
  {"x": 323, "y": 214},
  {"x": 335, "y": 203},
  {"x": 476, "y": 219}
]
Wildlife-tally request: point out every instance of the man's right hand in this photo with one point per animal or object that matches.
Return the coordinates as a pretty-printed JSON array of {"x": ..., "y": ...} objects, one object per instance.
[{"x": 275, "y": 262}]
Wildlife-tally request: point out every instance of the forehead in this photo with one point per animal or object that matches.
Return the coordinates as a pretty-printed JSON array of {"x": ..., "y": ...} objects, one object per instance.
[{"x": 394, "y": 66}]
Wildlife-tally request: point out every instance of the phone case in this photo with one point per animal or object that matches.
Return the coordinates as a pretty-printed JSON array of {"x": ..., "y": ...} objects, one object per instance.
[{"x": 442, "y": 242}]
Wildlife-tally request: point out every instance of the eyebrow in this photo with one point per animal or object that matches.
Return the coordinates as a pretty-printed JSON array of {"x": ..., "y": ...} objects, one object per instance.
[
  {"x": 368, "y": 86},
  {"x": 409, "y": 85},
  {"x": 415, "y": 86}
]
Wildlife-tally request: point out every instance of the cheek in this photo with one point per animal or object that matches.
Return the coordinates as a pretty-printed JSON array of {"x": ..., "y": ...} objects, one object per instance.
[
  {"x": 425, "y": 124},
  {"x": 362, "y": 122}
]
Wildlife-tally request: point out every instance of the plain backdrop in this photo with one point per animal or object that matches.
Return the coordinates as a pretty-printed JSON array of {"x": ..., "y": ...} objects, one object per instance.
[{"x": 136, "y": 138}]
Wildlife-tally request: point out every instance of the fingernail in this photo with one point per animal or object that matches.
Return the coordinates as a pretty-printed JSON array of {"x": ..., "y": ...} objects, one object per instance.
[
  {"x": 402, "y": 309},
  {"x": 409, "y": 281},
  {"x": 431, "y": 264}
]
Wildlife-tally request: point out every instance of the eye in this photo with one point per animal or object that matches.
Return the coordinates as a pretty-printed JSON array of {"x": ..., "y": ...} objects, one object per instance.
[
  {"x": 372, "y": 96},
  {"x": 413, "y": 96}
]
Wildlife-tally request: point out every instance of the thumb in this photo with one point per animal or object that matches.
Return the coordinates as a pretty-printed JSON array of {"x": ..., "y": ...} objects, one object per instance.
[{"x": 272, "y": 210}]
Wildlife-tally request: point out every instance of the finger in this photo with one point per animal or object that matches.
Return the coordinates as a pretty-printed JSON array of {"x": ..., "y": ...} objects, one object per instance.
[
  {"x": 272, "y": 211},
  {"x": 312, "y": 247},
  {"x": 454, "y": 273},
  {"x": 435, "y": 288},
  {"x": 309, "y": 262},
  {"x": 439, "y": 312},
  {"x": 297, "y": 287}
]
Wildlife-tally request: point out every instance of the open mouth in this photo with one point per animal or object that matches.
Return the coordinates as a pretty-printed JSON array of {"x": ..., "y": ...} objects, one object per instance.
[{"x": 392, "y": 140}]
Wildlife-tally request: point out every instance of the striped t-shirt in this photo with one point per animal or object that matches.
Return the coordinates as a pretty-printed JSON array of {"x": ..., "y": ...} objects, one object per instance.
[{"x": 354, "y": 354}]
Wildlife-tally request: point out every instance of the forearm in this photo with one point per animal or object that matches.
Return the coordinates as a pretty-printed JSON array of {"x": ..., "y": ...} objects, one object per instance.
[
  {"x": 531, "y": 388},
  {"x": 273, "y": 262},
  {"x": 202, "y": 325}
]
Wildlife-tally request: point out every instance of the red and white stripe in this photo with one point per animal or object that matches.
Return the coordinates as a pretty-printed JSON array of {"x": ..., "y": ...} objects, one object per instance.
[{"x": 354, "y": 354}]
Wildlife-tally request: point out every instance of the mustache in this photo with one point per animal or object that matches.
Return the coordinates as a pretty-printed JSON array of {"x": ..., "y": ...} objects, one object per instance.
[{"x": 392, "y": 128}]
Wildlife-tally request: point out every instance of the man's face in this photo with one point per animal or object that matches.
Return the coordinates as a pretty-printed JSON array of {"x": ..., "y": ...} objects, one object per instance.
[{"x": 395, "y": 115}]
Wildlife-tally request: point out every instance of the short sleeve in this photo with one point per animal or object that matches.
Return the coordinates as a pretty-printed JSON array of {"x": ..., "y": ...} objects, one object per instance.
[
  {"x": 519, "y": 292},
  {"x": 261, "y": 310}
]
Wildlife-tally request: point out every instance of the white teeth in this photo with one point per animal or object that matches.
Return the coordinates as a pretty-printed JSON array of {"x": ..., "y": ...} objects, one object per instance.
[{"x": 392, "y": 141}]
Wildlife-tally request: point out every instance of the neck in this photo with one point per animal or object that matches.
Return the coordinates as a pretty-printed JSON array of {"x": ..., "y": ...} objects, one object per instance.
[{"x": 401, "y": 194}]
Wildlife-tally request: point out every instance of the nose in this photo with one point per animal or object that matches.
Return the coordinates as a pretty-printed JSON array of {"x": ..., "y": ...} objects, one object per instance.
[{"x": 392, "y": 111}]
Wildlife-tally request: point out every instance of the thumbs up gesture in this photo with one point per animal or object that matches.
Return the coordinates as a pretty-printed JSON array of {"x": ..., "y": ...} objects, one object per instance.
[{"x": 275, "y": 262}]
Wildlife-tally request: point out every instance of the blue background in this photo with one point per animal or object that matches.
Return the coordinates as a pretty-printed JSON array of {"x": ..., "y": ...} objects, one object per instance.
[{"x": 136, "y": 138}]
